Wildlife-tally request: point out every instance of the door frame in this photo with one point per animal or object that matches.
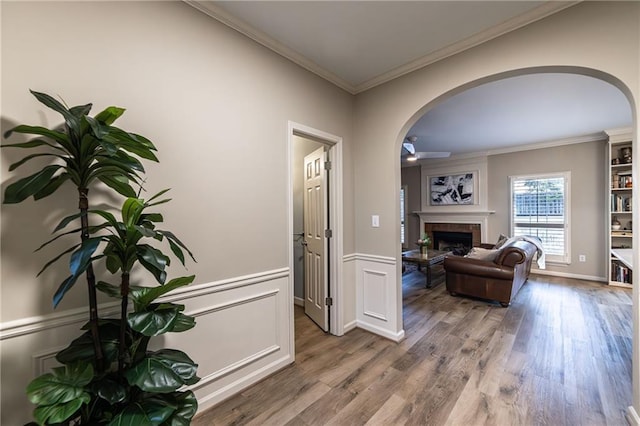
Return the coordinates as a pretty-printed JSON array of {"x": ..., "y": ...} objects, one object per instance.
[{"x": 335, "y": 243}]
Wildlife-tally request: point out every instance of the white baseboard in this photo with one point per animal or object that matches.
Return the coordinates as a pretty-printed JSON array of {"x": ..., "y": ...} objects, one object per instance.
[
  {"x": 350, "y": 326},
  {"x": 632, "y": 416},
  {"x": 396, "y": 337},
  {"x": 568, "y": 275},
  {"x": 299, "y": 301}
]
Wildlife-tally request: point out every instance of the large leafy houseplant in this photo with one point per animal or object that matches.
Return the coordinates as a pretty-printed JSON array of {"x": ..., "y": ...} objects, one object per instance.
[{"x": 108, "y": 375}]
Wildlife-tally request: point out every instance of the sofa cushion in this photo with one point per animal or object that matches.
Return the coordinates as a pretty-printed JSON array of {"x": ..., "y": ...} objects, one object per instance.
[
  {"x": 501, "y": 240},
  {"x": 483, "y": 254}
]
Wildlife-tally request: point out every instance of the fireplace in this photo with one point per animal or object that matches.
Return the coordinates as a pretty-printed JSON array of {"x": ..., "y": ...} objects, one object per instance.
[
  {"x": 455, "y": 237},
  {"x": 457, "y": 242}
]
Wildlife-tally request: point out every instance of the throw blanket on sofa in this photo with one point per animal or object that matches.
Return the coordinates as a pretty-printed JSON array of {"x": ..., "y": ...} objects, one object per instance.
[{"x": 536, "y": 242}]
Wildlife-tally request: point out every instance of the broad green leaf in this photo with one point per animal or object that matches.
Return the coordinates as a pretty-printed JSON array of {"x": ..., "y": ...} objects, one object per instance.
[
  {"x": 57, "y": 237},
  {"x": 187, "y": 408},
  {"x": 55, "y": 259},
  {"x": 110, "y": 114},
  {"x": 63, "y": 288},
  {"x": 81, "y": 110},
  {"x": 159, "y": 194},
  {"x": 145, "y": 231},
  {"x": 153, "y": 323},
  {"x": 183, "y": 323},
  {"x": 58, "y": 413},
  {"x": 82, "y": 349},
  {"x": 80, "y": 258},
  {"x": 122, "y": 188},
  {"x": 59, "y": 137},
  {"x": 33, "y": 143},
  {"x": 111, "y": 219},
  {"x": 62, "y": 385},
  {"x": 99, "y": 131},
  {"x": 111, "y": 391},
  {"x": 52, "y": 186},
  {"x": 159, "y": 408},
  {"x": 132, "y": 415},
  {"x": 72, "y": 121},
  {"x": 153, "y": 260},
  {"x": 177, "y": 251},
  {"x": 109, "y": 289},
  {"x": 67, "y": 220},
  {"x": 151, "y": 217},
  {"x": 163, "y": 371},
  {"x": 171, "y": 236},
  {"x": 131, "y": 210},
  {"x": 30, "y": 157},
  {"x": 26, "y": 187},
  {"x": 144, "y": 296}
]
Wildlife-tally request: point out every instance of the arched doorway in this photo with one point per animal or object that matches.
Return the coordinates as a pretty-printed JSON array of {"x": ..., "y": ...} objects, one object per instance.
[{"x": 525, "y": 71}]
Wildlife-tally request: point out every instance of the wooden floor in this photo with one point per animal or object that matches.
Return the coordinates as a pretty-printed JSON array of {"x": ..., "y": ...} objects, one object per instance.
[{"x": 559, "y": 355}]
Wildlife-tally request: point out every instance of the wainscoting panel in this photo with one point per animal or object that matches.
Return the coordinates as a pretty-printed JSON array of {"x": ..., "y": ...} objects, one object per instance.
[
  {"x": 378, "y": 296},
  {"x": 242, "y": 334}
]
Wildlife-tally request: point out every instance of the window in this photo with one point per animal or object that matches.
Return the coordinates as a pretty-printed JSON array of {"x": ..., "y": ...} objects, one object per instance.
[
  {"x": 403, "y": 213},
  {"x": 540, "y": 207}
]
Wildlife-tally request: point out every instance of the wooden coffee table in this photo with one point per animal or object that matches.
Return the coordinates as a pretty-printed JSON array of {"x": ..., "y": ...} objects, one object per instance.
[{"x": 432, "y": 258}]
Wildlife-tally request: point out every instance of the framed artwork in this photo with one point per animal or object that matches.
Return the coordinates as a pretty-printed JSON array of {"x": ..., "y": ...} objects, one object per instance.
[{"x": 455, "y": 189}]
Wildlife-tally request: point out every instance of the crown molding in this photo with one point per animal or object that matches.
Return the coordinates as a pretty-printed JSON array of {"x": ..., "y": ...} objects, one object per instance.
[
  {"x": 262, "y": 38},
  {"x": 540, "y": 12},
  {"x": 593, "y": 137},
  {"x": 216, "y": 12}
]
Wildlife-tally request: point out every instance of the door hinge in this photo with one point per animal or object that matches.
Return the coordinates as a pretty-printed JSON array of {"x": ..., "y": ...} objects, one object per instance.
[
  {"x": 328, "y": 233},
  {"x": 327, "y": 165},
  {"x": 328, "y": 301}
]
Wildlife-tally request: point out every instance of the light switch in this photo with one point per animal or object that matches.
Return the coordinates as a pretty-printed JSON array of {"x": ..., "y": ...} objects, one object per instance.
[{"x": 375, "y": 221}]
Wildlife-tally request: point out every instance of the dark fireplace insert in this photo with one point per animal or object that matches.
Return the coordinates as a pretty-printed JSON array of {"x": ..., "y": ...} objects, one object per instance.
[{"x": 457, "y": 242}]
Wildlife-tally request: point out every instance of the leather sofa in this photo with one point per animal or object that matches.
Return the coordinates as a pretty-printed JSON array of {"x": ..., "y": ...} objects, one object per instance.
[{"x": 498, "y": 276}]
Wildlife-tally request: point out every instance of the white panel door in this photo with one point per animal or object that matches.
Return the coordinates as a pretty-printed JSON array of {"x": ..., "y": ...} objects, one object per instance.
[{"x": 315, "y": 224}]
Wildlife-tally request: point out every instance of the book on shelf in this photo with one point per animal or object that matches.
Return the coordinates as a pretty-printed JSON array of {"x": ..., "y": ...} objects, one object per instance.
[
  {"x": 620, "y": 273},
  {"x": 622, "y": 180},
  {"x": 621, "y": 203}
]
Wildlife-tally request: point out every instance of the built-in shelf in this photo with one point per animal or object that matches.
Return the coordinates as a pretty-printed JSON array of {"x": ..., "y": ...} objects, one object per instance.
[{"x": 619, "y": 199}]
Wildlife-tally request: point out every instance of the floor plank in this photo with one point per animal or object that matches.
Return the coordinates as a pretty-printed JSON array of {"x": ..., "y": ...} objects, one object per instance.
[{"x": 559, "y": 355}]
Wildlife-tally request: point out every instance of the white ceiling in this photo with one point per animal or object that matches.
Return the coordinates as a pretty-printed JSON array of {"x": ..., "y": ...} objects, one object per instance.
[{"x": 360, "y": 44}]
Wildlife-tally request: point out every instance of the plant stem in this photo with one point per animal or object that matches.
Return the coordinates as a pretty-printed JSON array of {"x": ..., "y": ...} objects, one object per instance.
[
  {"x": 122, "y": 347},
  {"x": 83, "y": 205}
]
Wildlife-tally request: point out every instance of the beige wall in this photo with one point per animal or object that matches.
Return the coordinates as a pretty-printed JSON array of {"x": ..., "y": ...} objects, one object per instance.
[
  {"x": 600, "y": 39},
  {"x": 586, "y": 162},
  {"x": 217, "y": 106}
]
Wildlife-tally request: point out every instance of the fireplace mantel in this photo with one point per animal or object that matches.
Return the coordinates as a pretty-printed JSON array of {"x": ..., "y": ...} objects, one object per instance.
[
  {"x": 480, "y": 217},
  {"x": 481, "y": 213}
]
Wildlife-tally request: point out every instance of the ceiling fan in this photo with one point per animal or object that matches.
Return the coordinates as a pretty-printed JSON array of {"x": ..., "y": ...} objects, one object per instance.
[{"x": 412, "y": 155}]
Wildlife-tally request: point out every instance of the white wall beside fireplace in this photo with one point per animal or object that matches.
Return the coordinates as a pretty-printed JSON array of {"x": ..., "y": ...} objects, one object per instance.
[{"x": 470, "y": 213}]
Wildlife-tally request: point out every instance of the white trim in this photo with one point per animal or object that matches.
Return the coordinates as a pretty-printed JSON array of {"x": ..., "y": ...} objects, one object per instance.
[
  {"x": 335, "y": 218},
  {"x": 350, "y": 326},
  {"x": 244, "y": 382},
  {"x": 374, "y": 258},
  {"x": 298, "y": 301},
  {"x": 594, "y": 137},
  {"x": 548, "y": 272},
  {"x": 210, "y": 378},
  {"x": 566, "y": 175},
  {"x": 218, "y": 13},
  {"x": 233, "y": 303},
  {"x": 24, "y": 326},
  {"x": 632, "y": 416},
  {"x": 224, "y": 17},
  {"x": 396, "y": 337}
]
